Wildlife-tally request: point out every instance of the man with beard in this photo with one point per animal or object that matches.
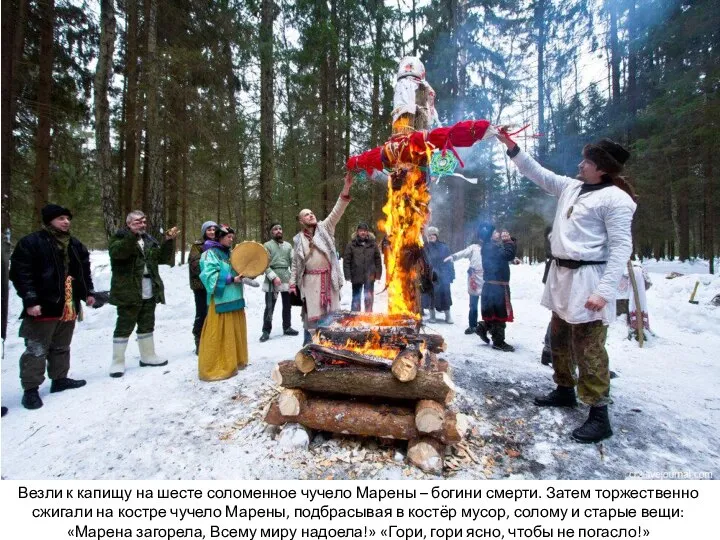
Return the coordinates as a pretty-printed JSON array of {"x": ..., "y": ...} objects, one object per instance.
[
  {"x": 591, "y": 243},
  {"x": 136, "y": 288},
  {"x": 51, "y": 273},
  {"x": 315, "y": 269},
  {"x": 277, "y": 279}
]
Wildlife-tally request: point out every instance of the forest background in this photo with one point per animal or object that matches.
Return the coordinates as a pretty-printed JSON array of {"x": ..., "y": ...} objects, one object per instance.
[{"x": 245, "y": 112}]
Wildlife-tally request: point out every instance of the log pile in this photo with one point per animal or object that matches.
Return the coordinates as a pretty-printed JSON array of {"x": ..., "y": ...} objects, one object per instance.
[{"x": 404, "y": 393}]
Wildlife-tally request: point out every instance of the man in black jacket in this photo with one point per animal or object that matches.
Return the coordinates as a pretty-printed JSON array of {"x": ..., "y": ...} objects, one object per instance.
[
  {"x": 362, "y": 266},
  {"x": 51, "y": 273}
]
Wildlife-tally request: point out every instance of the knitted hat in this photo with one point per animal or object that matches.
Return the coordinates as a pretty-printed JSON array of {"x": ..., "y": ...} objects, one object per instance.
[
  {"x": 362, "y": 226},
  {"x": 52, "y": 211},
  {"x": 607, "y": 156},
  {"x": 273, "y": 225},
  {"x": 206, "y": 226},
  {"x": 432, "y": 230}
]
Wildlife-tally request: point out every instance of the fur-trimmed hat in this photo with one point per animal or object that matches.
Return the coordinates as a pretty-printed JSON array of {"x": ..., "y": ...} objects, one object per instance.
[
  {"x": 432, "y": 230},
  {"x": 223, "y": 230},
  {"x": 52, "y": 211},
  {"x": 608, "y": 156}
]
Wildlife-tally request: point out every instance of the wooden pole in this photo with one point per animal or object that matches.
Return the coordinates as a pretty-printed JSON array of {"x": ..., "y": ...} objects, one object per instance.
[{"x": 639, "y": 319}]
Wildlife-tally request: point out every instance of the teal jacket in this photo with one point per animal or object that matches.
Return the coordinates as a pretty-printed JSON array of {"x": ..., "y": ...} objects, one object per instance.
[{"x": 214, "y": 272}]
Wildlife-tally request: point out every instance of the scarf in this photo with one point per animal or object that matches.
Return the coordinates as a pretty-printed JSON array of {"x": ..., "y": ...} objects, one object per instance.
[
  {"x": 62, "y": 242},
  {"x": 209, "y": 244}
]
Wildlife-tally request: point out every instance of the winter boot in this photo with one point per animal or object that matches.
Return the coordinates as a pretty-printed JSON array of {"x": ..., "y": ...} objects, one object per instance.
[
  {"x": 197, "y": 344},
  {"x": 503, "y": 346},
  {"x": 596, "y": 427},
  {"x": 265, "y": 336},
  {"x": 4, "y": 411},
  {"x": 546, "y": 358},
  {"x": 482, "y": 331},
  {"x": 562, "y": 396},
  {"x": 469, "y": 330},
  {"x": 117, "y": 368},
  {"x": 448, "y": 318},
  {"x": 148, "y": 358},
  {"x": 432, "y": 315},
  {"x": 290, "y": 332},
  {"x": 58, "y": 385},
  {"x": 31, "y": 399}
]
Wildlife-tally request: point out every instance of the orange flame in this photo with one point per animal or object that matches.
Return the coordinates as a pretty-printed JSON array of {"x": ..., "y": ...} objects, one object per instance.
[
  {"x": 407, "y": 211},
  {"x": 372, "y": 346}
]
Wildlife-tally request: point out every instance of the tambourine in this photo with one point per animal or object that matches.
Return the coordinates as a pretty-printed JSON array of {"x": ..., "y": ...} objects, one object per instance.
[{"x": 249, "y": 259}]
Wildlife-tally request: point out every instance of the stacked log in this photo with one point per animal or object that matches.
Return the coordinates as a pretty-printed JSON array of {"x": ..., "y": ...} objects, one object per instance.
[{"x": 403, "y": 395}]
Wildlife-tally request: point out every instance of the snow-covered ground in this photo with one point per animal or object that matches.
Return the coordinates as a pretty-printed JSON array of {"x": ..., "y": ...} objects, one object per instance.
[{"x": 163, "y": 423}]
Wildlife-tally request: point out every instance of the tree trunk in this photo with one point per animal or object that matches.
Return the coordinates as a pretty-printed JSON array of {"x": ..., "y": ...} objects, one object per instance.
[
  {"x": 614, "y": 55},
  {"x": 433, "y": 385},
  {"x": 356, "y": 418},
  {"x": 103, "y": 76},
  {"x": 267, "y": 112},
  {"x": 130, "y": 106},
  {"x": 41, "y": 178},
  {"x": 13, "y": 41},
  {"x": 540, "y": 23},
  {"x": 183, "y": 224},
  {"x": 155, "y": 177}
]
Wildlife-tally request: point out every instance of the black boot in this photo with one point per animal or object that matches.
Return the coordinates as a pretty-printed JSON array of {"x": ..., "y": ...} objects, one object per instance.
[
  {"x": 265, "y": 336},
  {"x": 58, "y": 385},
  {"x": 31, "y": 399},
  {"x": 503, "y": 346},
  {"x": 562, "y": 396},
  {"x": 4, "y": 411},
  {"x": 197, "y": 344},
  {"x": 482, "y": 330},
  {"x": 546, "y": 358},
  {"x": 290, "y": 332},
  {"x": 596, "y": 427}
]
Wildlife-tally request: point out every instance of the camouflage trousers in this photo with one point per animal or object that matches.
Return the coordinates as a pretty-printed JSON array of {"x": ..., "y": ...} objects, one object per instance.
[
  {"x": 142, "y": 315},
  {"x": 579, "y": 359}
]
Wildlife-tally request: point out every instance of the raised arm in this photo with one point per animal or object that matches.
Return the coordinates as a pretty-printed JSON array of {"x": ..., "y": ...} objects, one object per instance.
[
  {"x": 549, "y": 181},
  {"x": 340, "y": 206}
]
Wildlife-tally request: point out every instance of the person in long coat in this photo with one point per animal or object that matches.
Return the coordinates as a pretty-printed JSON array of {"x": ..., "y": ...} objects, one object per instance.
[
  {"x": 207, "y": 232},
  {"x": 437, "y": 253},
  {"x": 497, "y": 251},
  {"x": 223, "y": 343},
  {"x": 315, "y": 273}
]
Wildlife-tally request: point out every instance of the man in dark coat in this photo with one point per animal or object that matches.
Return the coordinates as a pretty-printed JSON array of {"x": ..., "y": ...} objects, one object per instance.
[
  {"x": 497, "y": 251},
  {"x": 136, "y": 288},
  {"x": 440, "y": 299},
  {"x": 362, "y": 266},
  {"x": 50, "y": 270}
]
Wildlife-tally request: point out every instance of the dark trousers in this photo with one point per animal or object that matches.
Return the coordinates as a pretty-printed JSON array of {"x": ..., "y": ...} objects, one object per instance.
[
  {"x": 270, "y": 300},
  {"x": 368, "y": 296},
  {"x": 142, "y": 315},
  {"x": 581, "y": 346},
  {"x": 473, "y": 314},
  {"x": 200, "y": 312},
  {"x": 45, "y": 341}
]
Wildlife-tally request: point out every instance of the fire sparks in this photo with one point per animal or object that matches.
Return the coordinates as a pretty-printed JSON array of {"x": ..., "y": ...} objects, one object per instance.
[{"x": 407, "y": 211}]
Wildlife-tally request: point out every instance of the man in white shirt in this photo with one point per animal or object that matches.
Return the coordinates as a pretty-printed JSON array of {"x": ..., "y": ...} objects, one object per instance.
[{"x": 591, "y": 243}]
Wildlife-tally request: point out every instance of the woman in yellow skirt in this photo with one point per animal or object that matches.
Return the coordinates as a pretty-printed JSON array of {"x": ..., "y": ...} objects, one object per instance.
[{"x": 223, "y": 344}]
